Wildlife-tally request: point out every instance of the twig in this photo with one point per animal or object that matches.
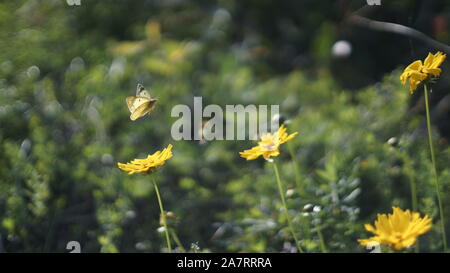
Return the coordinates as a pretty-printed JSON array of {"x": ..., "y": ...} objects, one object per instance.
[{"x": 397, "y": 29}]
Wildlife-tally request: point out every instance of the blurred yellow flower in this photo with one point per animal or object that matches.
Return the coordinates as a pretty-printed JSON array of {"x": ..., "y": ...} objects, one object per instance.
[
  {"x": 149, "y": 164},
  {"x": 153, "y": 31},
  {"x": 418, "y": 72},
  {"x": 398, "y": 230},
  {"x": 269, "y": 144}
]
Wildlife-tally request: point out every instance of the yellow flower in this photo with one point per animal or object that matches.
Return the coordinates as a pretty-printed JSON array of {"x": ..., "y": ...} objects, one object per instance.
[
  {"x": 398, "y": 230},
  {"x": 418, "y": 72},
  {"x": 149, "y": 164},
  {"x": 269, "y": 144}
]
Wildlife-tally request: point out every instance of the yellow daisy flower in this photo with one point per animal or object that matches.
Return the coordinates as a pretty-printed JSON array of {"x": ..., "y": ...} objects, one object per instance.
[
  {"x": 149, "y": 164},
  {"x": 418, "y": 72},
  {"x": 269, "y": 145},
  {"x": 397, "y": 230}
]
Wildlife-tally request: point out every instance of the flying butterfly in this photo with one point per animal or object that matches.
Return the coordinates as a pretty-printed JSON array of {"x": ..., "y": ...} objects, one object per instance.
[{"x": 141, "y": 104}]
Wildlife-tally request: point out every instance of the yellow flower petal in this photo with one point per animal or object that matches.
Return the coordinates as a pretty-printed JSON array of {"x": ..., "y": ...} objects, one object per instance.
[
  {"x": 398, "y": 230},
  {"x": 428, "y": 60},
  {"x": 148, "y": 164},
  {"x": 417, "y": 72},
  {"x": 269, "y": 144},
  {"x": 415, "y": 66}
]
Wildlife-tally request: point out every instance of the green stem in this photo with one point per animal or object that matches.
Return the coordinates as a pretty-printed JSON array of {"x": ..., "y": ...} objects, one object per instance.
[
  {"x": 297, "y": 171},
  {"x": 322, "y": 241},
  {"x": 413, "y": 193},
  {"x": 163, "y": 217},
  {"x": 409, "y": 171},
  {"x": 414, "y": 206},
  {"x": 436, "y": 180},
  {"x": 177, "y": 240},
  {"x": 280, "y": 189},
  {"x": 412, "y": 182}
]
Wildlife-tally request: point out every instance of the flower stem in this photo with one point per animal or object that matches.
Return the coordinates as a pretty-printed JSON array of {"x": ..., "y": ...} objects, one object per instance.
[
  {"x": 163, "y": 217},
  {"x": 436, "y": 180},
  {"x": 280, "y": 189},
  {"x": 296, "y": 169},
  {"x": 322, "y": 241},
  {"x": 177, "y": 240},
  {"x": 414, "y": 206},
  {"x": 409, "y": 170},
  {"x": 413, "y": 193}
]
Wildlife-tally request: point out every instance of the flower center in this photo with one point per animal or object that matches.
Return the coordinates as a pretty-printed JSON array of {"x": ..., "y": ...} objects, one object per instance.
[{"x": 269, "y": 142}]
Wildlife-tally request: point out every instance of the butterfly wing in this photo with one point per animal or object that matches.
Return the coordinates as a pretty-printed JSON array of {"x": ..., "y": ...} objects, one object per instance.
[
  {"x": 130, "y": 103},
  {"x": 139, "y": 89},
  {"x": 133, "y": 103},
  {"x": 143, "y": 107},
  {"x": 141, "y": 104},
  {"x": 144, "y": 93}
]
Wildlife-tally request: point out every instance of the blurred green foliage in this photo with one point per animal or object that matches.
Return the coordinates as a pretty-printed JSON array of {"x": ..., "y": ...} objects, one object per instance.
[{"x": 65, "y": 72}]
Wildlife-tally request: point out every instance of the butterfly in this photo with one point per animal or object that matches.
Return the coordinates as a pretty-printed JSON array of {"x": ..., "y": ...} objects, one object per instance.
[{"x": 141, "y": 104}]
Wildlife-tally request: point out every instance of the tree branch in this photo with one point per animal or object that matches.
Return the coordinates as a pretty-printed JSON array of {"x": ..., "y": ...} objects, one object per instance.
[{"x": 397, "y": 29}]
